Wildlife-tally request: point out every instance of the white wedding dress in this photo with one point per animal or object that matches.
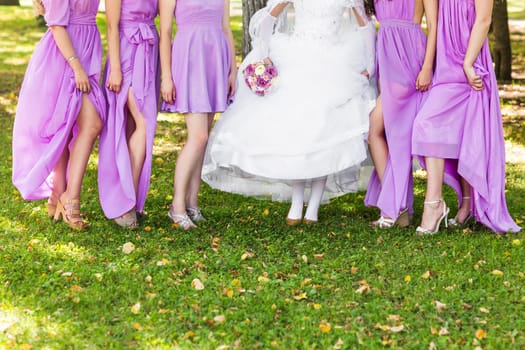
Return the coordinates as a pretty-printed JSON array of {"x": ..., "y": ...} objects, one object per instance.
[{"x": 314, "y": 124}]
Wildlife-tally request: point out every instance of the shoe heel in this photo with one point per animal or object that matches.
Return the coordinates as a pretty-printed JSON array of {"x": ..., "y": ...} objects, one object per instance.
[{"x": 403, "y": 220}]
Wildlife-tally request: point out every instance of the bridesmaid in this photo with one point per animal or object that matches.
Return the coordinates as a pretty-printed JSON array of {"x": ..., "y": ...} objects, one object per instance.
[
  {"x": 61, "y": 110},
  {"x": 405, "y": 59},
  {"x": 126, "y": 142},
  {"x": 459, "y": 129},
  {"x": 198, "y": 77}
]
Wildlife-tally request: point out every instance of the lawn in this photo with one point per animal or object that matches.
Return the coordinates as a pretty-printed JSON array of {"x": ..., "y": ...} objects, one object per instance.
[{"x": 244, "y": 280}]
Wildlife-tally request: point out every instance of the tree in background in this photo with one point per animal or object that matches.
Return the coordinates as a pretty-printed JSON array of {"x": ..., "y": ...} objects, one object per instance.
[
  {"x": 10, "y": 2},
  {"x": 249, "y": 7},
  {"x": 501, "y": 51}
]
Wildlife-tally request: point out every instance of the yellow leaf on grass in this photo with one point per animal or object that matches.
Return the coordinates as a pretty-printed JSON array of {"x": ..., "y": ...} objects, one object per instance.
[
  {"x": 325, "y": 327},
  {"x": 266, "y": 212},
  {"x": 137, "y": 326},
  {"x": 263, "y": 279},
  {"x": 135, "y": 309},
  {"x": 354, "y": 270},
  {"x": 229, "y": 293},
  {"x": 75, "y": 288},
  {"x": 300, "y": 296},
  {"x": 188, "y": 335},
  {"x": 516, "y": 242},
  {"x": 319, "y": 256},
  {"x": 497, "y": 273},
  {"x": 25, "y": 347},
  {"x": 236, "y": 283},
  {"x": 484, "y": 310},
  {"x": 481, "y": 334},
  {"x": 408, "y": 278},
  {"x": 427, "y": 274},
  {"x": 197, "y": 284},
  {"x": 317, "y": 306}
]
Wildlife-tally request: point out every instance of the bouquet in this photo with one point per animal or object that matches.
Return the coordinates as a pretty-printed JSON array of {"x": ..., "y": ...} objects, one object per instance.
[{"x": 260, "y": 77}]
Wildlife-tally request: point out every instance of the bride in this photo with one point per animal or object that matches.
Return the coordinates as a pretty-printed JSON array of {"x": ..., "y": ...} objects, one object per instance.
[{"x": 308, "y": 134}]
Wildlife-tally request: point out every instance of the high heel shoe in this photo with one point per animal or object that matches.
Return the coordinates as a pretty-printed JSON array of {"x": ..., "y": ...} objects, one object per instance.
[
  {"x": 127, "y": 220},
  {"x": 195, "y": 214},
  {"x": 402, "y": 221},
  {"x": 182, "y": 221},
  {"x": 424, "y": 231},
  {"x": 454, "y": 222},
  {"x": 51, "y": 206},
  {"x": 69, "y": 212}
]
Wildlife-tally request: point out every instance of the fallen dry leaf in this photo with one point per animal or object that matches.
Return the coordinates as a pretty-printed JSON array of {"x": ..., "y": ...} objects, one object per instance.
[
  {"x": 443, "y": 331},
  {"x": 325, "y": 327},
  {"x": 135, "y": 309},
  {"x": 439, "y": 305},
  {"x": 319, "y": 256},
  {"x": 481, "y": 334},
  {"x": 497, "y": 273},
  {"x": 128, "y": 247},
  {"x": 197, "y": 284},
  {"x": 484, "y": 310},
  {"x": 75, "y": 288},
  {"x": 339, "y": 344},
  {"x": 219, "y": 318}
]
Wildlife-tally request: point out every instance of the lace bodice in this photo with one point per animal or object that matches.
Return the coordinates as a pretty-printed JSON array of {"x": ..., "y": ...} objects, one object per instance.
[{"x": 321, "y": 19}]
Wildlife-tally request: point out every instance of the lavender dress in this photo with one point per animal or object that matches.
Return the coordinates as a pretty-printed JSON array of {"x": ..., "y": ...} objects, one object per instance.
[
  {"x": 201, "y": 58},
  {"x": 463, "y": 125},
  {"x": 139, "y": 63},
  {"x": 401, "y": 46},
  {"x": 49, "y": 102}
]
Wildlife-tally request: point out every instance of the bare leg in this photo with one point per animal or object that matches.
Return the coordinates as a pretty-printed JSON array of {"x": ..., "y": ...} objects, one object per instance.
[
  {"x": 316, "y": 195},
  {"x": 296, "y": 209},
  {"x": 377, "y": 140},
  {"x": 192, "y": 199},
  {"x": 136, "y": 139},
  {"x": 89, "y": 126},
  {"x": 190, "y": 158},
  {"x": 433, "y": 210}
]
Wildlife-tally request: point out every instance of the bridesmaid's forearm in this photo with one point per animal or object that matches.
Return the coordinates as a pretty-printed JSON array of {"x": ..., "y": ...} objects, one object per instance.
[
  {"x": 65, "y": 46},
  {"x": 479, "y": 31},
  {"x": 113, "y": 20}
]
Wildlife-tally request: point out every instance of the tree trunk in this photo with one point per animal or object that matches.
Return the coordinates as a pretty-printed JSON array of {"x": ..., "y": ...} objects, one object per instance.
[
  {"x": 501, "y": 48},
  {"x": 249, "y": 7},
  {"x": 10, "y": 2}
]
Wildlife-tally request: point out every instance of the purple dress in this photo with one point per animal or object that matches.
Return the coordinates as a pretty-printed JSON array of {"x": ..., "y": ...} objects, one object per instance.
[
  {"x": 200, "y": 59},
  {"x": 463, "y": 125},
  {"x": 139, "y": 63},
  {"x": 401, "y": 46},
  {"x": 49, "y": 102}
]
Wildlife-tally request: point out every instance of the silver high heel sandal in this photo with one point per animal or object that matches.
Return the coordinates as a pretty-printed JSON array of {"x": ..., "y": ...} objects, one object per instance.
[
  {"x": 182, "y": 221},
  {"x": 421, "y": 231},
  {"x": 454, "y": 222},
  {"x": 403, "y": 220},
  {"x": 195, "y": 214}
]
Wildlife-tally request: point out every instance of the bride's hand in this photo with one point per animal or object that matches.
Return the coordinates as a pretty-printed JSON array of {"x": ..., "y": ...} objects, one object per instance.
[
  {"x": 267, "y": 60},
  {"x": 366, "y": 73}
]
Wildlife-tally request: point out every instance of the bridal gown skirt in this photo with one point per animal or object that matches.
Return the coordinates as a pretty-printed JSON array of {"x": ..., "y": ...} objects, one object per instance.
[{"x": 313, "y": 124}]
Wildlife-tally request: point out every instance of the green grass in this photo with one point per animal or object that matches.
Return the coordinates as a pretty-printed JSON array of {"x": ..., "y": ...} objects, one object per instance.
[
  {"x": 265, "y": 285},
  {"x": 516, "y": 9}
]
